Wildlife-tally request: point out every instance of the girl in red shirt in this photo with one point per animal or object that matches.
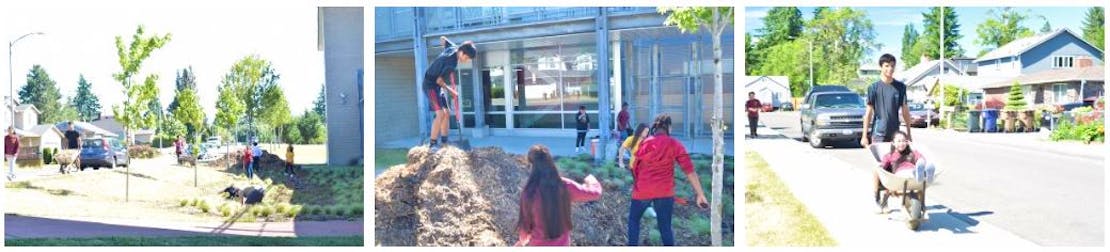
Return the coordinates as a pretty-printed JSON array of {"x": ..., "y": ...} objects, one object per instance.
[
  {"x": 654, "y": 184},
  {"x": 544, "y": 218}
]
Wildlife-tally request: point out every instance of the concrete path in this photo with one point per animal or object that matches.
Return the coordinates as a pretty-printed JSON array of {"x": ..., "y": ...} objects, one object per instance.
[{"x": 36, "y": 227}]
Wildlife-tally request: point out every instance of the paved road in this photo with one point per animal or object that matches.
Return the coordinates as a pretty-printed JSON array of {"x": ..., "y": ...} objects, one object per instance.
[
  {"x": 35, "y": 227},
  {"x": 1035, "y": 190}
]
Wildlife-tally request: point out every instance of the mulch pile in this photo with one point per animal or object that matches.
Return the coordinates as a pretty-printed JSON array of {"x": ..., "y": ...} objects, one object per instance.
[{"x": 455, "y": 198}]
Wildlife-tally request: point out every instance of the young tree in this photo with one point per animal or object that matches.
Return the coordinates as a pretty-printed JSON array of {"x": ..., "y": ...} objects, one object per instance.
[
  {"x": 276, "y": 108},
  {"x": 134, "y": 113},
  {"x": 248, "y": 78},
  {"x": 716, "y": 20},
  {"x": 1094, "y": 27},
  {"x": 188, "y": 111},
  {"x": 42, "y": 92},
  {"x": 229, "y": 107},
  {"x": 87, "y": 104},
  {"x": 1001, "y": 27}
]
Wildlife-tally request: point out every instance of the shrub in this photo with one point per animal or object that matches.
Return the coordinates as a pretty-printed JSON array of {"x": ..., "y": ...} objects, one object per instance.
[
  {"x": 281, "y": 207},
  {"x": 266, "y": 211},
  {"x": 183, "y": 203},
  {"x": 356, "y": 210},
  {"x": 225, "y": 210},
  {"x": 47, "y": 155},
  {"x": 293, "y": 211},
  {"x": 203, "y": 205},
  {"x": 142, "y": 151}
]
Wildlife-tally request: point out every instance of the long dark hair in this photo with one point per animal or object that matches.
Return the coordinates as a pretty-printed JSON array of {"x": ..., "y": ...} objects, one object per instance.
[
  {"x": 546, "y": 184},
  {"x": 640, "y": 128},
  {"x": 905, "y": 155},
  {"x": 662, "y": 122}
]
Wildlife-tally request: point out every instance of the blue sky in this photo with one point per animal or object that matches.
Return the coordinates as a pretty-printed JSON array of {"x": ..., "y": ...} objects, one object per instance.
[{"x": 889, "y": 23}]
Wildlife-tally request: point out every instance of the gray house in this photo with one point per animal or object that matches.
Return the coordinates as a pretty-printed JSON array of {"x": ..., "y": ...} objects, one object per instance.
[{"x": 341, "y": 38}]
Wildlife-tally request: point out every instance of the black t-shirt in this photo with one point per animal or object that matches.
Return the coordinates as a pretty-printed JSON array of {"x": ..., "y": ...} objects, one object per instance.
[
  {"x": 887, "y": 101},
  {"x": 72, "y": 138},
  {"x": 442, "y": 66}
]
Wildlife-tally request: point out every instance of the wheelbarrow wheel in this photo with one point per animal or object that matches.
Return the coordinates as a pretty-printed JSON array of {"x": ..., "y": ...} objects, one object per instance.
[{"x": 915, "y": 212}]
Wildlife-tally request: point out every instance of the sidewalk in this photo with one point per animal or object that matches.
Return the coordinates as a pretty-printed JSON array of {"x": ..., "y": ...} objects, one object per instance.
[
  {"x": 560, "y": 146},
  {"x": 839, "y": 197},
  {"x": 36, "y": 227}
]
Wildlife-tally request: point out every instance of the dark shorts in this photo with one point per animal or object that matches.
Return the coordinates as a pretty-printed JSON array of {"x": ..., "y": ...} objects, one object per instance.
[
  {"x": 436, "y": 101},
  {"x": 881, "y": 139}
]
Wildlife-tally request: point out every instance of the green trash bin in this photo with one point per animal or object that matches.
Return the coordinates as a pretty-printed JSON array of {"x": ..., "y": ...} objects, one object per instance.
[{"x": 973, "y": 121}]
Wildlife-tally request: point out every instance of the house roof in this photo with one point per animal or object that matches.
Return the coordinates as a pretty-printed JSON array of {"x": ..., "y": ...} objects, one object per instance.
[
  {"x": 781, "y": 81},
  {"x": 918, "y": 72},
  {"x": 43, "y": 129},
  {"x": 83, "y": 127},
  {"x": 1092, "y": 73},
  {"x": 24, "y": 133},
  {"x": 21, "y": 108},
  {"x": 110, "y": 124},
  {"x": 1020, "y": 46}
]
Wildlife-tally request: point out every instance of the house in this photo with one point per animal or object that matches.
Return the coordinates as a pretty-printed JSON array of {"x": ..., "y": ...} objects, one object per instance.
[
  {"x": 1053, "y": 68},
  {"x": 86, "y": 129},
  {"x": 340, "y": 31},
  {"x": 922, "y": 78},
  {"x": 26, "y": 116},
  {"x": 33, "y": 141},
  {"x": 771, "y": 90},
  {"x": 110, "y": 124}
]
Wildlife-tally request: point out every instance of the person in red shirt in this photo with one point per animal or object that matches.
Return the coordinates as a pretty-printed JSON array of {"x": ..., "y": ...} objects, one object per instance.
[
  {"x": 623, "y": 119},
  {"x": 11, "y": 151},
  {"x": 753, "y": 105},
  {"x": 654, "y": 180},
  {"x": 247, "y": 157},
  {"x": 544, "y": 218}
]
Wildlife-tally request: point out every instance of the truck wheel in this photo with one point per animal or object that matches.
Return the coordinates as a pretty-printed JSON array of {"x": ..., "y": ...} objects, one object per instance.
[{"x": 815, "y": 141}]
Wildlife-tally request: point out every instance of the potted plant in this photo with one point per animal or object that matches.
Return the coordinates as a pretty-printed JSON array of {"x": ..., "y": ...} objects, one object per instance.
[{"x": 1014, "y": 104}]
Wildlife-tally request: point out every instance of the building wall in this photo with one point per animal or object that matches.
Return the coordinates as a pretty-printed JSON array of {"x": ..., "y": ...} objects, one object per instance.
[
  {"x": 26, "y": 119},
  {"x": 395, "y": 98},
  {"x": 343, "y": 59},
  {"x": 1007, "y": 66},
  {"x": 1040, "y": 58}
]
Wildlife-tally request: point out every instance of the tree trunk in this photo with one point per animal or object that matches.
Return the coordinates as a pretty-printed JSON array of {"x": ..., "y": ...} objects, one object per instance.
[{"x": 718, "y": 132}]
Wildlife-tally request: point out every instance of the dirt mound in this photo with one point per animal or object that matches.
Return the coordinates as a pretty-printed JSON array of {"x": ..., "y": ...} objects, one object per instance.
[{"x": 456, "y": 198}]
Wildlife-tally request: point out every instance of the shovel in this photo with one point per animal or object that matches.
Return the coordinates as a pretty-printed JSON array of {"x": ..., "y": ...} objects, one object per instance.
[{"x": 462, "y": 143}]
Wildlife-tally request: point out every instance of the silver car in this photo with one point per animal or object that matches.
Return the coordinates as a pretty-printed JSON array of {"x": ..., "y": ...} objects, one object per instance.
[{"x": 832, "y": 116}]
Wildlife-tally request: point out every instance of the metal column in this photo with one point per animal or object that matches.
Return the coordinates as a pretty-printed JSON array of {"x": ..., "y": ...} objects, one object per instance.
[
  {"x": 420, "y": 52},
  {"x": 604, "y": 110}
]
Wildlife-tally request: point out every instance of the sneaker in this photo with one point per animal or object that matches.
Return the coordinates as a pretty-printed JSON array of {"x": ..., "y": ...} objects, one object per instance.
[{"x": 882, "y": 204}]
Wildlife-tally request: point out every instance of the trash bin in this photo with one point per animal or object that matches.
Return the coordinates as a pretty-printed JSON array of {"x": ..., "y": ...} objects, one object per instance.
[
  {"x": 973, "y": 121},
  {"x": 593, "y": 146},
  {"x": 990, "y": 120}
]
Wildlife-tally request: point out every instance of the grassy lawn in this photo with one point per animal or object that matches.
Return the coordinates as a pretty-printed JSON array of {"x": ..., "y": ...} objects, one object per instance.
[
  {"x": 191, "y": 241},
  {"x": 774, "y": 217},
  {"x": 385, "y": 158},
  {"x": 162, "y": 190}
]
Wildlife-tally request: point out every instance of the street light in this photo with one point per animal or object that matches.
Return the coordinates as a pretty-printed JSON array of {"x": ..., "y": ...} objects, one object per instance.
[{"x": 11, "y": 74}]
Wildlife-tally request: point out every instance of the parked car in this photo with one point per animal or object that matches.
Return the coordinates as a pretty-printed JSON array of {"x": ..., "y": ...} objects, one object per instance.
[
  {"x": 832, "y": 116},
  {"x": 103, "y": 152},
  {"x": 919, "y": 115},
  {"x": 786, "y": 106}
]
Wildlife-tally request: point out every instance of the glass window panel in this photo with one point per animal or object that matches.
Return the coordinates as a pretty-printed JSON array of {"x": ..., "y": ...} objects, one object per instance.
[{"x": 552, "y": 121}]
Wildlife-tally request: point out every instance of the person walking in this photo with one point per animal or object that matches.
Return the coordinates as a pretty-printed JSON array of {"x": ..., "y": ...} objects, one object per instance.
[
  {"x": 653, "y": 171},
  {"x": 11, "y": 151},
  {"x": 886, "y": 104},
  {"x": 753, "y": 106}
]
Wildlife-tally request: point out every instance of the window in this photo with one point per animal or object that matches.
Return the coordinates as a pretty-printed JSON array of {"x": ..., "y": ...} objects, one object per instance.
[
  {"x": 1063, "y": 61},
  {"x": 1060, "y": 93}
]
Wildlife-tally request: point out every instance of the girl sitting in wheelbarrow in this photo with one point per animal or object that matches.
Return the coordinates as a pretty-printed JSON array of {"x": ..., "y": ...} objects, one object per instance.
[{"x": 902, "y": 161}]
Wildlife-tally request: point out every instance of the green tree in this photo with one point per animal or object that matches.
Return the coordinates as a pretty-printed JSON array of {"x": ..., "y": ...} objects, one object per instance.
[
  {"x": 1047, "y": 27},
  {"x": 910, "y": 36},
  {"x": 751, "y": 60},
  {"x": 1016, "y": 100},
  {"x": 841, "y": 38},
  {"x": 68, "y": 112},
  {"x": 716, "y": 20},
  {"x": 42, "y": 92},
  {"x": 311, "y": 128},
  {"x": 186, "y": 79},
  {"x": 248, "y": 78},
  {"x": 790, "y": 60},
  {"x": 1001, "y": 27},
  {"x": 229, "y": 107},
  {"x": 1094, "y": 27},
  {"x": 134, "y": 112},
  {"x": 931, "y": 36},
  {"x": 781, "y": 25},
  {"x": 320, "y": 105},
  {"x": 188, "y": 111},
  {"x": 87, "y": 104},
  {"x": 172, "y": 128},
  {"x": 276, "y": 108}
]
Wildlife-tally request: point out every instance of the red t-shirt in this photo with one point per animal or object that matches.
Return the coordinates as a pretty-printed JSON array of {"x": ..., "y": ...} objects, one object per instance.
[
  {"x": 909, "y": 164},
  {"x": 11, "y": 145},
  {"x": 589, "y": 191},
  {"x": 655, "y": 162},
  {"x": 753, "y": 103}
]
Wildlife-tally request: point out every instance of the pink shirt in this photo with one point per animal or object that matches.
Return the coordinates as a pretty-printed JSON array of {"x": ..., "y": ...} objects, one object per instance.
[
  {"x": 589, "y": 191},
  {"x": 905, "y": 166}
]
